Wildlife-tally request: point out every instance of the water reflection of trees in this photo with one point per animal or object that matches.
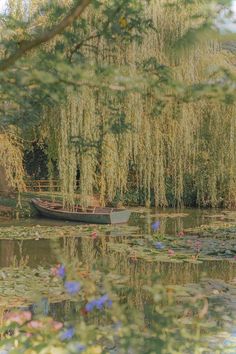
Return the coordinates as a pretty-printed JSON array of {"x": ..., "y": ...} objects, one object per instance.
[
  {"x": 138, "y": 273},
  {"x": 96, "y": 253},
  {"x": 7, "y": 252}
]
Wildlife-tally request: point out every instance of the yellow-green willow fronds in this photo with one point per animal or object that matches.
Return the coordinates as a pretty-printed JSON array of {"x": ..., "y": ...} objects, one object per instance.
[{"x": 11, "y": 157}]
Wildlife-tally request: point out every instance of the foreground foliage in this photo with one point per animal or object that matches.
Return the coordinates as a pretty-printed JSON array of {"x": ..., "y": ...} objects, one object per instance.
[
  {"x": 97, "y": 293},
  {"x": 177, "y": 319}
]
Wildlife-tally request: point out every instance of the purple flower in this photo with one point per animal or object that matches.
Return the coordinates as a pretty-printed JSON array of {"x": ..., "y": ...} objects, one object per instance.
[
  {"x": 99, "y": 304},
  {"x": 68, "y": 334},
  {"x": 72, "y": 287},
  {"x": 159, "y": 245},
  {"x": 61, "y": 271},
  {"x": 102, "y": 301},
  {"x": 91, "y": 305},
  {"x": 79, "y": 347},
  {"x": 156, "y": 225}
]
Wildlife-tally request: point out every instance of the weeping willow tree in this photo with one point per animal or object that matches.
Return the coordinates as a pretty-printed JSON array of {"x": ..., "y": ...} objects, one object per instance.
[
  {"x": 173, "y": 151},
  {"x": 11, "y": 148},
  {"x": 11, "y": 166},
  {"x": 131, "y": 122}
]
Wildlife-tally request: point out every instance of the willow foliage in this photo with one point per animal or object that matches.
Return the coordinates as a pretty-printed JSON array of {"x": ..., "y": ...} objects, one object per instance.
[
  {"x": 171, "y": 147},
  {"x": 11, "y": 157},
  {"x": 136, "y": 128}
]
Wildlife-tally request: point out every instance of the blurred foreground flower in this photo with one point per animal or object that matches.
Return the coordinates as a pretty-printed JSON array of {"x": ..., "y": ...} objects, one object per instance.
[
  {"x": 57, "y": 325},
  {"x": 156, "y": 225},
  {"x": 67, "y": 334},
  {"x": 18, "y": 317},
  {"x": 72, "y": 287},
  {"x": 99, "y": 304},
  {"x": 46, "y": 323},
  {"x": 79, "y": 347},
  {"x": 35, "y": 324}
]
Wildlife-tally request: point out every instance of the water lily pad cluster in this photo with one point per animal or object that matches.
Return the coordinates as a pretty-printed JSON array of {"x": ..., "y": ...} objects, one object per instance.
[
  {"x": 37, "y": 232},
  {"x": 21, "y": 286}
]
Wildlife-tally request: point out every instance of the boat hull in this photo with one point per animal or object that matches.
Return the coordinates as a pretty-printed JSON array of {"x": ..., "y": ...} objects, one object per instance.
[{"x": 115, "y": 217}]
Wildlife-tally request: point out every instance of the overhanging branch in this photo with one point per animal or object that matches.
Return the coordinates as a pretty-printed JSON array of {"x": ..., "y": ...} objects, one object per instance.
[{"x": 47, "y": 36}]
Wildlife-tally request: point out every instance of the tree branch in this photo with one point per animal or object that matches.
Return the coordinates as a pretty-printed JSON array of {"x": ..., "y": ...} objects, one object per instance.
[
  {"x": 47, "y": 36},
  {"x": 93, "y": 35},
  {"x": 79, "y": 45}
]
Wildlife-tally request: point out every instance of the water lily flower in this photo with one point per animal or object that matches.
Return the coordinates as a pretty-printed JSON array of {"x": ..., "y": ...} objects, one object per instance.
[
  {"x": 234, "y": 258},
  {"x": 99, "y": 304},
  {"x": 94, "y": 234},
  {"x": 59, "y": 271},
  {"x": 67, "y": 334},
  {"x": 198, "y": 245},
  {"x": 159, "y": 245},
  {"x": 72, "y": 287},
  {"x": 171, "y": 252},
  {"x": 156, "y": 225},
  {"x": 181, "y": 233}
]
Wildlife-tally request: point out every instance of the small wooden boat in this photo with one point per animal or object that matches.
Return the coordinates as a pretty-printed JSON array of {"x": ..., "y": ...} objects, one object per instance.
[{"x": 91, "y": 215}]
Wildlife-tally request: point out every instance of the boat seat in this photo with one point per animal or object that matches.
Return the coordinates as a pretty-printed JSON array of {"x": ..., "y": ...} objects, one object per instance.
[{"x": 90, "y": 210}]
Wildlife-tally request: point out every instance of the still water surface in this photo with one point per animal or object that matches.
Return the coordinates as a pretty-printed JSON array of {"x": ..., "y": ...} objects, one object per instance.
[{"x": 104, "y": 253}]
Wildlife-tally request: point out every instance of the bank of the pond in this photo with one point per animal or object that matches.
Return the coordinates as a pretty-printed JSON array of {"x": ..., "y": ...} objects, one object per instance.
[
  {"x": 16, "y": 206},
  {"x": 19, "y": 206}
]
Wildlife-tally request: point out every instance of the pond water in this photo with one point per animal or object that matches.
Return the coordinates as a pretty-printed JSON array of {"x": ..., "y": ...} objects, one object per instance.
[
  {"x": 40, "y": 251},
  {"x": 125, "y": 251}
]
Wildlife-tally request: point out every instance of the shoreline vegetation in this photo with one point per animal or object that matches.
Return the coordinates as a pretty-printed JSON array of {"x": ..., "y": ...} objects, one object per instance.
[{"x": 18, "y": 205}]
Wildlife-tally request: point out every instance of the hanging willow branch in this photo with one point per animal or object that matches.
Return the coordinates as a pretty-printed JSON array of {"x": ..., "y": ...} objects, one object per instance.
[{"x": 46, "y": 36}]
